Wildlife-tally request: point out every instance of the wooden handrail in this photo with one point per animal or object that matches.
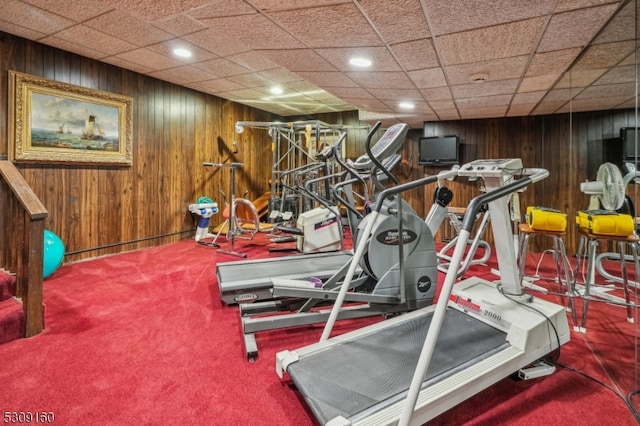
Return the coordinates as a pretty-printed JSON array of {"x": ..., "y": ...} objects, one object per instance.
[
  {"x": 23, "y": 192},
  {"x": 24, "y": 207}
]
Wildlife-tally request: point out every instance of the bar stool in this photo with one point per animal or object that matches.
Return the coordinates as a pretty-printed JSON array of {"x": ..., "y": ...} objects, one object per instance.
[
  {"x": 563, "y": 269},
  {"x": 590, "y": 242}
]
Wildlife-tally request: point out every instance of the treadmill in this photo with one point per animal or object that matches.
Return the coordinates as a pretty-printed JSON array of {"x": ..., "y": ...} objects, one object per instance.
[
  {"x": 413, "y": 367},
  {"x": 235, "y": 284}
]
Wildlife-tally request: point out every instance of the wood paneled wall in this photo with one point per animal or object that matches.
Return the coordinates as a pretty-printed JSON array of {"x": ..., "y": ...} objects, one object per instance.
[
  {"x": 570, "y": 147},
  {"x": 99, "y": 210}
]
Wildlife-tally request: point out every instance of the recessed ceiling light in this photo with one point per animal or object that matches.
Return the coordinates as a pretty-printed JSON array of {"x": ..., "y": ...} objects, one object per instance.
[
  {"x": 406, "y": 105},
  {"x": 183, "y": 53},
  {"x": 276, "y": 90},
  {"x": 360, "y": 62}
]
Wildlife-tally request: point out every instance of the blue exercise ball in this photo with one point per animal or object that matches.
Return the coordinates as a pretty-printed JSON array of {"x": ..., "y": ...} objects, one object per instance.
[{"x": 53, "y": 253}]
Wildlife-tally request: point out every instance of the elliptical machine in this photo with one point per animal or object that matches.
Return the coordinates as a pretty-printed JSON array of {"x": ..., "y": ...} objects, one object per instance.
[{"x": 398, "y": 259}]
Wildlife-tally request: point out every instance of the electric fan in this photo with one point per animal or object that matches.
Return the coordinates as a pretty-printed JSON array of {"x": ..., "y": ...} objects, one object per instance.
[{"x": 607, "y": 190}]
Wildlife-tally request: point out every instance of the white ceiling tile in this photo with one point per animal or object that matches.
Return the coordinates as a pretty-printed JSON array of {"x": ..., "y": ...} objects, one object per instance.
[
  {"x": 280, "y": 75},
  {"x": 416, "y": 54},
  {"x": 264, "y": 35},
  {"x": 298, "y": 59},
  {"x": 156, "y": 9},
  {"x": 20, "y": 31},
  {"x": 527, "y": 98},
  {"x": 369, "y": 104},
  {"x": 482, "y": 102},
  {"x": 222, "y": 67},
  {"x": 602, "y": 55},
  {"x": 449, "y": 114},
  {"x": 620, "y": 27},
  {"x": 552, "y": 62},
  {"x": 575, "y": 28},
  {"x": 607, "y": 91},
  {"x": 517, "y": 110},
  {"x": 339, "y": 25},
  {"x": 501, "y": 41},
  {"x": 396, "y": 21},
  {"x": 547, "y": 107},
  {"x": 252, "y": 60},
  {"x": 351, "y": 93},
  {"x": 123, "y": 63},
  {"x": 621, "y": 74},
  {"x": 149, "y": 59},
  {"x": 215, "y": 42},
  {"x": 328, "y": 79},
  {"x": 424, "y": 50},
  {"x": 124, "y": 26},
  {"x": 64, "y": 44},
  {"x": 437, "y": 93},
  {"x": 398, "y": 95},
  {"x": 427, "y": 78},
  {"x": 442, "y": 105},
  {"x": 252, "y": 80},
  {"x": 34, "y": 18},
  {"x": 179, "y": 25},
  {"x": 453, "y": 16},
  {"x": 92, "y": 39},
  {"x": 484, "y": 112},
  {"x": 217, "y": 85},
  {"x": 537, "y": 83},
  {"x": 565, "y": 5},
  {"x": 77, "y": 10},
  {"x": 381, "y": 80},
  {"x": 274, "y": 5},
  {"x": 578, "y": 105},
  {"x": 184, "y": 74},
  {"x": 579, "y": 78}
]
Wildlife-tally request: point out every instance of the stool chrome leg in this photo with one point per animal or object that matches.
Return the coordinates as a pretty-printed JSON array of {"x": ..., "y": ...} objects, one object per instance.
[
  {"x": 625, "y": 278},
  {"x": 592, "y": 244}
]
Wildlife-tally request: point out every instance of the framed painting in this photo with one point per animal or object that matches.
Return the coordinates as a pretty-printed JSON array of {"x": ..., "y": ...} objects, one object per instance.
[{"x": 54, "y": 122}]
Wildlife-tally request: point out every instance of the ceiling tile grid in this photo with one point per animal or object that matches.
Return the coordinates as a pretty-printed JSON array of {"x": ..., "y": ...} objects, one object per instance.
[{"x": 454, "y": 59}]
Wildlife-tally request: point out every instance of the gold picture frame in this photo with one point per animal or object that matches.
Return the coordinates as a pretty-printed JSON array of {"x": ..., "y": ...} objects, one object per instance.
[{"x": 55, "y": 122}]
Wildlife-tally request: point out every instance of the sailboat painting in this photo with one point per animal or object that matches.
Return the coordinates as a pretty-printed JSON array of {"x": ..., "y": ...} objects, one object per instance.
[
  {"x": 70, "y": 123},
  {"x": 97, "y": 124}
]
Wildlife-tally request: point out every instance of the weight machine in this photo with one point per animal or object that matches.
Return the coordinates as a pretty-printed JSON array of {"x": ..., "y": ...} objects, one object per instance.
[{"x": 293, "y": 144}]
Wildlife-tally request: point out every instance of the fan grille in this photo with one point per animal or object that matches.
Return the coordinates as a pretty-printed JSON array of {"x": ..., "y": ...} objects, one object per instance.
[{"x": 612, "y": 196}]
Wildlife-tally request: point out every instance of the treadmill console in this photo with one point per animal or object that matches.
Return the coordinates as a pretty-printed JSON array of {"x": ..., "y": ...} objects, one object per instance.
[{"x": 491, "y": 168}]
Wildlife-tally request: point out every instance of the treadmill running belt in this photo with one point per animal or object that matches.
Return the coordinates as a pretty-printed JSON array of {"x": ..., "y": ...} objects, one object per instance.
[{"x": 356, "y": 375}]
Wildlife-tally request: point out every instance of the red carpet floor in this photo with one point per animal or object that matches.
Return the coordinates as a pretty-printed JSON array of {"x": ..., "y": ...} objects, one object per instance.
[{"x": 142, "y": 338}]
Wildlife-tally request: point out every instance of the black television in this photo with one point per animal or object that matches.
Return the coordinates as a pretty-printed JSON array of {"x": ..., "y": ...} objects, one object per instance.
[
  {"x": 438, "y": 150},
  {"x": 629, "y": 136}
]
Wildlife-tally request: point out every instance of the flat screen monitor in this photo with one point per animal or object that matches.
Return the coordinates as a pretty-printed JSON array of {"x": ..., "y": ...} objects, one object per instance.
[
  {"x": 630, "y": 151},
  {"x": 438, "y": 150}
]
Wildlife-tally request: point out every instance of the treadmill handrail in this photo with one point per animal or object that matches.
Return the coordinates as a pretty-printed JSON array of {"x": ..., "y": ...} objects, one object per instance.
[{"x": 424, "y": 361}]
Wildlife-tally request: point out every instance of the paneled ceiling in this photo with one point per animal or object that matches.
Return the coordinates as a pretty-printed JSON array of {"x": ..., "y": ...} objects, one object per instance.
[{"x": 452, "y": 59}]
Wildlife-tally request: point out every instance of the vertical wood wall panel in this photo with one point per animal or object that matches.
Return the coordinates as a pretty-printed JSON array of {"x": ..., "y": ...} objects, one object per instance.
[{"x": 99, "y": 210}]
